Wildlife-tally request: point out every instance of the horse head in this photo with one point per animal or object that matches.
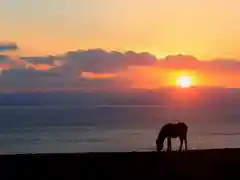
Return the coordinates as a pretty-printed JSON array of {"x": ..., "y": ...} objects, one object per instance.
[{"x": 159, "y": 145}]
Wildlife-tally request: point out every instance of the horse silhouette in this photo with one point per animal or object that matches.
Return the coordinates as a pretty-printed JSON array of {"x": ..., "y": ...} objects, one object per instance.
[{"x": 169, "y": 131}]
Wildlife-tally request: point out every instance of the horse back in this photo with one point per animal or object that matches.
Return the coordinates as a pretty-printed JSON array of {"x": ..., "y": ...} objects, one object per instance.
[
  {"x": 182, "y": 126},
  {"x": 180, "y": 129},
  {"x": 175, "y": 130}
]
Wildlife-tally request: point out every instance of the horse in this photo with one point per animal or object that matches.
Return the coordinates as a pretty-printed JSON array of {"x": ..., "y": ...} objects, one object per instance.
[{"x": 169, "y": 131}]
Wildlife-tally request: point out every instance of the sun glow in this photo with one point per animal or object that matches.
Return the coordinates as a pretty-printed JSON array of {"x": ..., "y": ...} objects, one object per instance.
[{"x": 184, "y": 81}]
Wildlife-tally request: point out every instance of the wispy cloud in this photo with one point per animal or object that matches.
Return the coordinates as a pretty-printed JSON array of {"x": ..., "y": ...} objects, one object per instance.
[{"x": 5, "y": 46}]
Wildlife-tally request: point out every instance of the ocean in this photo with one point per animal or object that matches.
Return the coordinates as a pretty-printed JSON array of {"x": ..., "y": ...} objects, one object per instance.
[{"x": 114, "y": 128}]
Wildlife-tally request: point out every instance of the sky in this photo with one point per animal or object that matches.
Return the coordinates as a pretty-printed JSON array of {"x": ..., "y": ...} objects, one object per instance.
[
  {"x": 154, "y": 31},
  {"x": 197, "y": 27}
]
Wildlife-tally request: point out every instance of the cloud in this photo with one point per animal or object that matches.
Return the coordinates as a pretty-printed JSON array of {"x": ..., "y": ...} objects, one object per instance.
[
  {"x": 8, "y": 47},
  {"x": 100, "y": 61},
  {"x": 46, "y": 60},
  {"x": 4, "y": 62},
  {"x": 216, "y": 72},
  {"x": 3, "y": 59},
  {"x": 90, "y": 75},
  {"x": 38, "y": 63},
  {"x": 99, "y": 69},
  {"x": 192, "y": 63},
  {"x": 18, "y": 79}
]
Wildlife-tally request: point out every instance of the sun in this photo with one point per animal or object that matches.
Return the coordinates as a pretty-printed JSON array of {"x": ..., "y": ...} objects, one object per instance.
[{"x": 184, "y": 81}]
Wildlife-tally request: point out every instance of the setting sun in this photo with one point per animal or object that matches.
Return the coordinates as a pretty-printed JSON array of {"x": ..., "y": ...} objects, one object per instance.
[{"x": 184, "y": 81}]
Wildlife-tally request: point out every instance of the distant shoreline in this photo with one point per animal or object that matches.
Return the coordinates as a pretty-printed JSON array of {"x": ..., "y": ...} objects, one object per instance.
[{"x": 175, "y": 152}]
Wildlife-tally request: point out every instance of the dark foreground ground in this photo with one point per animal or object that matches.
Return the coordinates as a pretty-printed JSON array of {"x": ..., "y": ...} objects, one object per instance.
[{"x": 201, "y": 164}]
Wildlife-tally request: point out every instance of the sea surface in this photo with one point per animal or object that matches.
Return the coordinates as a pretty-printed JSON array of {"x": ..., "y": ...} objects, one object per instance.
[{"x": 120, "y": 128}]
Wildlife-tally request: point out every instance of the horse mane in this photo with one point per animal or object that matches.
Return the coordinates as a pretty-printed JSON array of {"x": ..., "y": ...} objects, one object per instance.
[{"x": 162, "y": 134}]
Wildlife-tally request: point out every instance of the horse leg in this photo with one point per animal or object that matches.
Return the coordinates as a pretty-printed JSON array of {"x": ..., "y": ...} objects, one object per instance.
[
  {"x": 169, "y": 144},
  {"x": 185, "y": 140},
  {"x": 181, "y": 140}
]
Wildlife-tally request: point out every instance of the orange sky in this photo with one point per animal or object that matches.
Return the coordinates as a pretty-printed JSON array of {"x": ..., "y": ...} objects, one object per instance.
[{"x": 204, "y": 29}]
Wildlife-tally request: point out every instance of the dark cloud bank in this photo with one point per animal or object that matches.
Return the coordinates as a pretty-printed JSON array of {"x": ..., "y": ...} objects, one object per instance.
[{"x": 66, "y": 69}]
